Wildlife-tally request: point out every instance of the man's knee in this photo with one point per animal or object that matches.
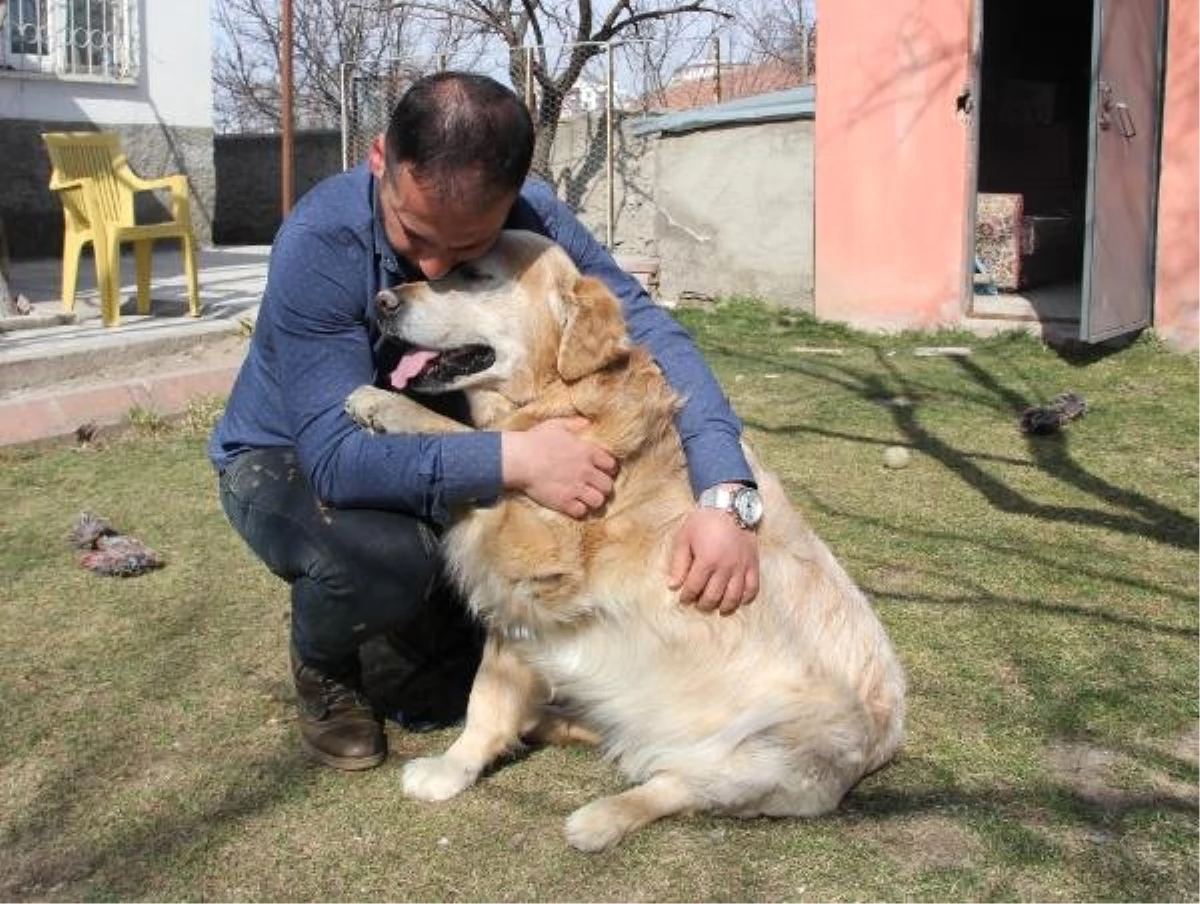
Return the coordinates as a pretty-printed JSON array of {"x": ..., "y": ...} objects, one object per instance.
[
  {"x": 381, "y": 563},
  {"x": 387, "y": 546}
]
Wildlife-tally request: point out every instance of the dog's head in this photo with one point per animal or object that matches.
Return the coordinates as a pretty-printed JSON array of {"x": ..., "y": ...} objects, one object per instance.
[{"x": 507, "y": 324}]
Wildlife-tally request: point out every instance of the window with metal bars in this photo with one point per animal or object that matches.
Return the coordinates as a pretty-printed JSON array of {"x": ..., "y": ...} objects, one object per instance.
[{"x": 96, "y": 38}]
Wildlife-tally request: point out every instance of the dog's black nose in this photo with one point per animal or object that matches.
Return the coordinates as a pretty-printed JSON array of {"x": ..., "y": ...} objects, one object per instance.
[{"x": 387, "y": 301}]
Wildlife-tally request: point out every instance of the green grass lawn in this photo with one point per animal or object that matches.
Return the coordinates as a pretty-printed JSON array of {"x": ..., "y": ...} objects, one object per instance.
[{"x": 1042, "y": 593}]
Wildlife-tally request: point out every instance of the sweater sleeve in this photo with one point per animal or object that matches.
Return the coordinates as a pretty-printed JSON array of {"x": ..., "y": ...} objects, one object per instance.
[{"x": 708, "y": 428}]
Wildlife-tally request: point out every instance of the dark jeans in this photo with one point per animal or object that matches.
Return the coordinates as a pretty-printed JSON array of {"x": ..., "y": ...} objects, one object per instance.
[{"x": 354, "y": 573}]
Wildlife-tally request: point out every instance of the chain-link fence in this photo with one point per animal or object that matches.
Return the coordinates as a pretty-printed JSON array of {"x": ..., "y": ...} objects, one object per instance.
[{"x": 583, "y": 148}]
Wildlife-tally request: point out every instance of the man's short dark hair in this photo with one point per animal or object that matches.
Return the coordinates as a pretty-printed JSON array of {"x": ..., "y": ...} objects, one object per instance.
[{"x": 463, "y": 133}]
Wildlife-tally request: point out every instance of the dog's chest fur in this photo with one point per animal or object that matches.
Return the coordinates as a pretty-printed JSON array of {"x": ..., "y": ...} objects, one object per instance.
[{"x": 529, "y": 571}]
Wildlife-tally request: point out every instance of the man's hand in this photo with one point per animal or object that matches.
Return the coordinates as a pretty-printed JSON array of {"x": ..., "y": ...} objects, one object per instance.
[
  {"x": 714, "y": 562},
  {"x": 556, "y": 467}
]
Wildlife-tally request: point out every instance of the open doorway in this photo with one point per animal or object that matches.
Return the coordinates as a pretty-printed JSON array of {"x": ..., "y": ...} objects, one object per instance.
[{"x": 1033, "y": 108}]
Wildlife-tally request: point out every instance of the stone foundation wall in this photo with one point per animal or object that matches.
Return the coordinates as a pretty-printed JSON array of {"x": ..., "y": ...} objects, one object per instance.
[
  {"x": 249, "y": 181},
  {"x": 711, "y": 213},
  {"x": 32, "y": 213}
]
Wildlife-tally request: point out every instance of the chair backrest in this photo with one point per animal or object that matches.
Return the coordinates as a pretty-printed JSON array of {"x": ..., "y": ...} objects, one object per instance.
[{"x": 86, "y": 170}]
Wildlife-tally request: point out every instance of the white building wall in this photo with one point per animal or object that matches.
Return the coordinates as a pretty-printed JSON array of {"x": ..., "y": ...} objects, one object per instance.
[{"x": 174, "y": 86}]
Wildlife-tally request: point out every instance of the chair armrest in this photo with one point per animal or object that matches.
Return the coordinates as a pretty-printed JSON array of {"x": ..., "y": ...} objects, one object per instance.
[
  {"x": 126, "y": 174},
  {"x": 176, "y": 184},
  {"x": 58, "y": 183},
  {"x": 137, "y": 183}
]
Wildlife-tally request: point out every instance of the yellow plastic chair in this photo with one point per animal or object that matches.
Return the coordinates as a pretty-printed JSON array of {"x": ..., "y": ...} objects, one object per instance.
[{"x": 92, "y": 177}]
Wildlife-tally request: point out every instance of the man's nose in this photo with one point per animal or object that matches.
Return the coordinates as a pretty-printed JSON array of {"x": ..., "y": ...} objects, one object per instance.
[{"x": 435, "y": 266}]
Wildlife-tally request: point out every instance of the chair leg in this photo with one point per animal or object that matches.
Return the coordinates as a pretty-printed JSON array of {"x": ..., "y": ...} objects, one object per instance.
[
  {"x": 72, "y": 251},
  {"x": 142, "y": 254},
  {"x": 108, "y": 274},
  {"x": 189, "y": 268}
]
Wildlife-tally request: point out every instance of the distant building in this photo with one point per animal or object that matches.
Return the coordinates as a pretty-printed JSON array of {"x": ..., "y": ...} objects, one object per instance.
[
  {"x": 590, "y": 96},
  {"x": 708, "y": 82}
]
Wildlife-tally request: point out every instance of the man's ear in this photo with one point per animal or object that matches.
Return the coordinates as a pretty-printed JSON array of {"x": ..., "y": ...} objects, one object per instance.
[
  {"x": 594, "y": 336},
  {"x": 376, "y": 160}
]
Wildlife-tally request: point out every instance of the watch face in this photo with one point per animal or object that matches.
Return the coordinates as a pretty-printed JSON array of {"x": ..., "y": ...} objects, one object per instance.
[{"x": 748, "y": 507}]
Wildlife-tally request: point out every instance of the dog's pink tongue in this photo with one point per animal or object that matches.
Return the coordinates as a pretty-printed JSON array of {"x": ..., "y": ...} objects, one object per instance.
[{"x": 410, "y": 365}]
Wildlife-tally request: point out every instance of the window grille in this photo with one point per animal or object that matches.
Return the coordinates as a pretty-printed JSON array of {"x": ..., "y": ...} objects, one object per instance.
[{"x": 96, "y": 38}]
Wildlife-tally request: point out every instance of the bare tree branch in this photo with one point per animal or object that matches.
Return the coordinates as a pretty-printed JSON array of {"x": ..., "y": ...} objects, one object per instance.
[
  {"x": 612, "y": 27},
  {"x": 326, "y": 34},
  {"x": 548, "y": 44}
]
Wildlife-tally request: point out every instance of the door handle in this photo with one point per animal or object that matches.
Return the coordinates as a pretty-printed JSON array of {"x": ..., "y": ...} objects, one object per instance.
[
  {"x": 1125, "y": 120},
  {"x": 1111, "y": 108}
]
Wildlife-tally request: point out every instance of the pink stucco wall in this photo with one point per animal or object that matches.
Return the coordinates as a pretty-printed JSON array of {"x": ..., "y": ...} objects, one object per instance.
[
  {"x": 1177, "y": 283},
  {"x": 891, "y": 158}
]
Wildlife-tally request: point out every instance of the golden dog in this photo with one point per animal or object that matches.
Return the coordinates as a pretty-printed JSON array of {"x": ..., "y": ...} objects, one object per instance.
[{"x": 776, "y": 710}]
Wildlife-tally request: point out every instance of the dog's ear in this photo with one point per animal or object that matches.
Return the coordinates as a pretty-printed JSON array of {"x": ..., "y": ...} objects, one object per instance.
[{"x": 594, "y": 336}]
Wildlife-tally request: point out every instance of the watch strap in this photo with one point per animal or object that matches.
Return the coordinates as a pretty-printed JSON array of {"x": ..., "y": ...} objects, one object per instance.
[
  {"x": 719, "y": 497},
  {"x": 726, "y": 498}
]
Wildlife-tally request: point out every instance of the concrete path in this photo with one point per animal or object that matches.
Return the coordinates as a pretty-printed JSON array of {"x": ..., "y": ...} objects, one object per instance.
[{"x": 60, "y": 372}]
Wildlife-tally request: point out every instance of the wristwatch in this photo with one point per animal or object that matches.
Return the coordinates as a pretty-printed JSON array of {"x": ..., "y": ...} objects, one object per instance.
[{"x": 743, "y": 502}]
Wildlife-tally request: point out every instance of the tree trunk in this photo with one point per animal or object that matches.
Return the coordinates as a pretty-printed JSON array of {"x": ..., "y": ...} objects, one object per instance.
[
  {"x": 8, "y": 307},
  {"x": 8, "y": 302}
]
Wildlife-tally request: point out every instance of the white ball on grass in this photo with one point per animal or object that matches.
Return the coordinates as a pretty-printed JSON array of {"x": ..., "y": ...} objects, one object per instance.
[{"x": 897, "y": 457}]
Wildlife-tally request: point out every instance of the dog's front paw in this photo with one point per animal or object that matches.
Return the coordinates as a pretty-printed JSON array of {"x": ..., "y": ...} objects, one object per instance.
[
  {"x": 436, "y": 778},
  {"x": 597, "y": 826},
  {"x": 364, "y": 406}
]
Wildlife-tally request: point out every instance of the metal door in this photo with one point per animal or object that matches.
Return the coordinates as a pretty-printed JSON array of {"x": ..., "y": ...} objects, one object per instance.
[{"x": 1118, "y": 262}]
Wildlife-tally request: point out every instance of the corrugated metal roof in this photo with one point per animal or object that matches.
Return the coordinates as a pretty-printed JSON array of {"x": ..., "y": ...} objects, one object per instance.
[{"x": 794, "y": 103}]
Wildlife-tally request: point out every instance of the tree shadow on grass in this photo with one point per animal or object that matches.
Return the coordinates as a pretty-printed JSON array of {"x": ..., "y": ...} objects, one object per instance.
[
  {"x": 145, "y": 770},
  {"x": 1142, "y": 516},
  {"x": 1145, "y": 517},
  {"x": 1077, "y": 819},
  {"x": 1077, "y": 793},
  {"x": 49, "y": 855},
  {"x": 1034, "y": 605}
]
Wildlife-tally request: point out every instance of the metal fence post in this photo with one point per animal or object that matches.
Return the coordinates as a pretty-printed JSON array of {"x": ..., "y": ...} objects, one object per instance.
[
  {"x": 610, "y": 150},
  {"x": 528, "y": 86},
  {"x": 344, "y": 79},
  {"x": 717, "y": 67}
]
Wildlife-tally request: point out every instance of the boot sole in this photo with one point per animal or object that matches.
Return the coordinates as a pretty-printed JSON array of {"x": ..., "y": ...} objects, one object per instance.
[{"x": 343, "y": 763}]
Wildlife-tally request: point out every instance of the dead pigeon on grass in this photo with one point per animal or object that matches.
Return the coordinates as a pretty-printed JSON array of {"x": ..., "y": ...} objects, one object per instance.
[
  {"x": 1040, "y": 420},
  {"x": 108, "y": 551}
]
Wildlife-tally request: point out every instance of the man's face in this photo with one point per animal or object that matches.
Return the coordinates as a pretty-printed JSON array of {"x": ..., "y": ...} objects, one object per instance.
[{"x": 427, "y": 230}]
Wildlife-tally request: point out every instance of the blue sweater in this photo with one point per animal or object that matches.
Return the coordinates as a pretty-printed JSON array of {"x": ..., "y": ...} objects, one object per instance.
[{"x": 316, "y": 340}]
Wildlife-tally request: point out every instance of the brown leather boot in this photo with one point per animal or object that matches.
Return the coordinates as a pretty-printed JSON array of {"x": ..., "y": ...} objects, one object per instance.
[{"x": 337, "y": 726}]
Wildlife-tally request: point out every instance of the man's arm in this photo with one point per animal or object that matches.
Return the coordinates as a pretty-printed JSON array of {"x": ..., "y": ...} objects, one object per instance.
[
  {"x": 314, "y": 312},
  {"x": 708, "y": 427},
  {"x": 714, "y": 562}
]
